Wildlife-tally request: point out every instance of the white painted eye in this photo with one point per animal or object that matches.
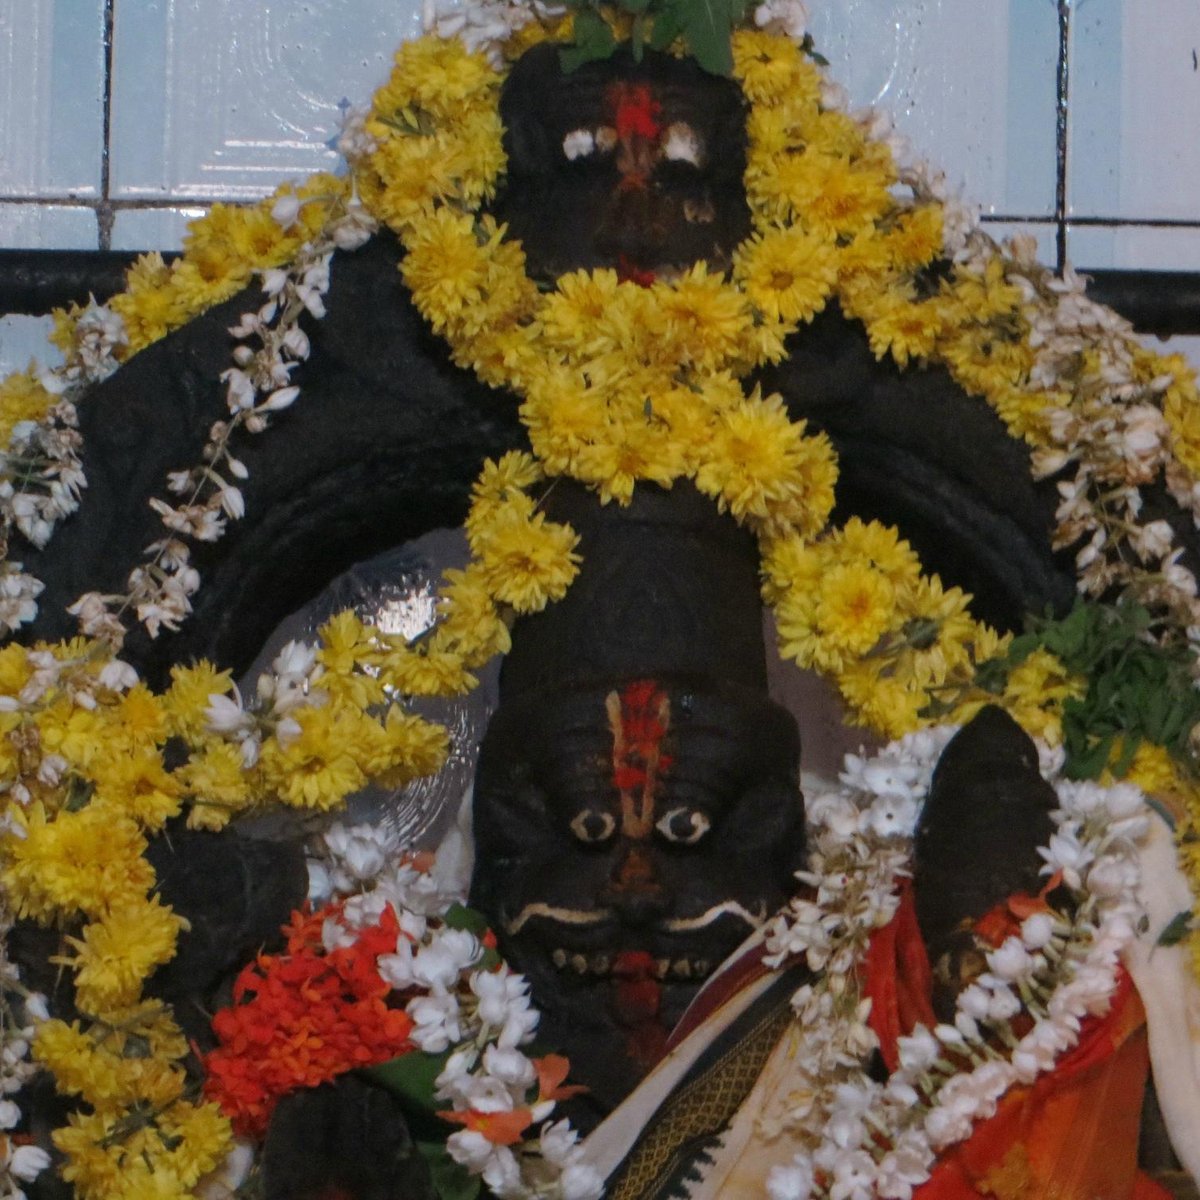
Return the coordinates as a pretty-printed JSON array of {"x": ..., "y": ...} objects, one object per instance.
[
  {"x": 683, "y": 825},
  {"x": 593, "y": 826},
  {"x": 579, "y": 143},
  {"x": 683, "y": 144}
]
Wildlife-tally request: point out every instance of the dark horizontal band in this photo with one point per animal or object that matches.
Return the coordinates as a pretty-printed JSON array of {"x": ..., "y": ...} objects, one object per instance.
[{"x": 36, "y": 282}]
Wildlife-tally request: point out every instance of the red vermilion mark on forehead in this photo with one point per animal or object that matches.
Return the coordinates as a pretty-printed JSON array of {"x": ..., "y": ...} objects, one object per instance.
[
  {"x": 635, "y": 111},
  {"x": 638, "y": 716}
]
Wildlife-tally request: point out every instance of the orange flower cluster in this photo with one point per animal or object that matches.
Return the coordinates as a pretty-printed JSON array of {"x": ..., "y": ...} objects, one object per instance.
[{"x": 304, "y": 1017}]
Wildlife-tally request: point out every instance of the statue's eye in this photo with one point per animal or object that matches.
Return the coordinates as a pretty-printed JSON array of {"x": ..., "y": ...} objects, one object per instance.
[
  {"x": 579, "y": 143},
  {"x": 683, "y": 825},
  {"x": 593, "y": 826},
  {"x": 683, "y": 144}
]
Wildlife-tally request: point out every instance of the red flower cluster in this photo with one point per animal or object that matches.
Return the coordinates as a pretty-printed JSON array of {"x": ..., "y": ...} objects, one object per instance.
[{"x": 302, "y": 1018}]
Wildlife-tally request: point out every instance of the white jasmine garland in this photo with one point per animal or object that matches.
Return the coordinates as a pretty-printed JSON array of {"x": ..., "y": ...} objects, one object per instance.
[
  {"x": 861, "y": 1138},
  {"x": 481, "y": 1013},
  {"x": 20, "y": 1009}
]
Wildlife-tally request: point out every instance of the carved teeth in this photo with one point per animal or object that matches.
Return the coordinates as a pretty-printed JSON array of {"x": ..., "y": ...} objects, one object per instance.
[
  {"x": 701, "y": 967},
  {"x": 600, "y": 964},
  {"x": 682, "y": 969},
  {"x": 661, "y": 967},
  {"x": 579, "y": 964},
  {"x": 559, "y": 958}
]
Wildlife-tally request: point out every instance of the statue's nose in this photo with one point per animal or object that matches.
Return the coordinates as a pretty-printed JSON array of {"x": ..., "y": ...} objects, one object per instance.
[{"x": 634, "y": 890}]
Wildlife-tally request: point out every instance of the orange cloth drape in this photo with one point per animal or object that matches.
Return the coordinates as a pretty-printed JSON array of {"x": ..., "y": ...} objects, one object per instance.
[{"x": 1071, "y": 1135}]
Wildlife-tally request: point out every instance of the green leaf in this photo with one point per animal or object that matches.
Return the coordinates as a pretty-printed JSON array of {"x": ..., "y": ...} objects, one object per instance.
[
  {"x": 593, "y": 40},
  {"x": 708, "y": 29},
  {"x": 79, "y": 794},
  {"x": 411, "y": 1077},
  {"x": 668, "y": 25},
  {"x": 459, "y": 916},
  {"x": 451, "y": 1180},
  {"x": 1179, "y": 926}
]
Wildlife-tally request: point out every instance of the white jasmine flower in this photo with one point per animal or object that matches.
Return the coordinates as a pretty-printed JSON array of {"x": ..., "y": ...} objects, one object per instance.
[
  {"x": 28, "y": 1162},
  {"x": 1066, "y": 854},
  {"x": 789, "y": 17},
  {"x": 945, "y": 1127},
  {"x": 580, "y": 1182},
  {"x": 1037, "y": 930},
  {"x": 511, "y": 1067},
  {"x": 436, "y": 1022},
  {"x": 471, "y": 1149},
  {"x": 558, "y": 1142},
  {"x": 919, "y": 1050},
  {"x": 286, "y": 210},
  {"x": 791, "y": 1182},
  {"x": 1011, "y": 961}
]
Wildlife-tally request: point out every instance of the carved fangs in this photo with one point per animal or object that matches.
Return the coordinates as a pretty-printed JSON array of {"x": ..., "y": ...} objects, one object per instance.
[{"x": 601, "y": 965}]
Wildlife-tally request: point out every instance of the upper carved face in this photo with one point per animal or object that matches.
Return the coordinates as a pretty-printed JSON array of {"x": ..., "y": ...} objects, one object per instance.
[
  {"x": 628, "y": 839},
  {"x": 636, "y": 166}
]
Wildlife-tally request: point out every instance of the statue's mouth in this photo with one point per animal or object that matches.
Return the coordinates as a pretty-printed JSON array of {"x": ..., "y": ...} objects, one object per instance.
[{"x": 606, "y": 965}]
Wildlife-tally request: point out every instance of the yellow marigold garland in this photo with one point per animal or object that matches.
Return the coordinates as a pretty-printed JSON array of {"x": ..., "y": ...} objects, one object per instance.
[{"x": 619, "y": 384}]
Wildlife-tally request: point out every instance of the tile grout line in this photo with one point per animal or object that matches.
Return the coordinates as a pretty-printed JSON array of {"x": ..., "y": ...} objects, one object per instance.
[
  {"x": 1061, "y": 103},
  {"x": 104, "y": 209}
]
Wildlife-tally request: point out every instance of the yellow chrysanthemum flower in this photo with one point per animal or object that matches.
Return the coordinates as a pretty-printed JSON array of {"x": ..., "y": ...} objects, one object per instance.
[
  {"x": 90, "y": 860},
  {"x": 704, "y": 319},
  {"x": 1036, "y": 691},
  {"x": 1181, "y": 408},
  {"x": 321, "y": 765},
  {"x": 22, "y": 398},
  {"x": 468, "y": 622},
  {"x": 904, "y": 328},
  {"x": 216, "y": 781},
  {"x": 915, "y": 239},
  {"x": 409, "y": 748},
  {"x": 855, "y": 606},
  {"x": 117, "y": 951},
  {"x": 771, "y": 68},
  {"x": 828, "y": 195},
  {"x": 136, "y": 783},
  {"x": 787, "y": 273},
  {"x": 188, "y": 696},
  {"x": 438, "y": 75},
  {"x": 500, "y": 482},
  {"x": 883, "y": 702},
  {"x": 527, "y": 561},
  {"x": 762, "y": 468},
  {"x": 201, "y": 1136},
  {"x": 15, "y": 669},
  {"x": 97, "y": 1069},
  {"x": 629, "y": 452},
  {"x": 432, "y": 673}
]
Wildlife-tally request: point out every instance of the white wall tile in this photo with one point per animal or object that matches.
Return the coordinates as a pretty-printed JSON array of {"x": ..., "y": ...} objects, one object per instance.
[
  {"x": 51, "y": 97},
  {"x": 152, "y": 228},
  {"x": 24, "y": 338},
  {"x": 970, "y": 82},
  {"x": 47, "y": 227},
  {"x": 226, "y": 98},
  {"x": 1135, "y": 109},
  {"x": 1145, "y": 247}
]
